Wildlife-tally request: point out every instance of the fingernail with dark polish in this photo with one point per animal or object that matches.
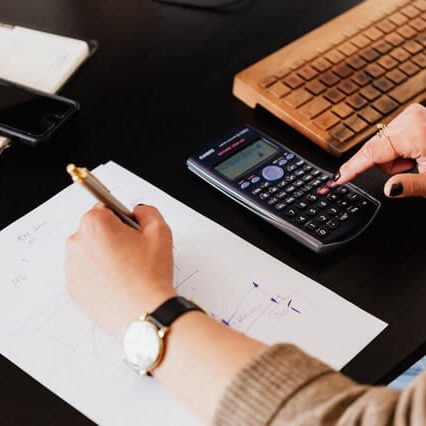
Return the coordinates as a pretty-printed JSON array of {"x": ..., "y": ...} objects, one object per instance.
[
  {"x": 140, "y": 205},
  {"x": 336, "y": 176},
  {"x": 396, "y": 189}
]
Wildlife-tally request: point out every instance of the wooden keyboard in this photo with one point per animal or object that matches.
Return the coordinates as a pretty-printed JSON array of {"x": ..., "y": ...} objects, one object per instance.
[{"x": 335, "y": 83}]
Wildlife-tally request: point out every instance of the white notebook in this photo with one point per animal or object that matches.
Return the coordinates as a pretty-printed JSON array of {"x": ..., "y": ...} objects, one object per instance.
[
  {"x": 37, "y": 59},
  {"x": 47, "y": 336}
]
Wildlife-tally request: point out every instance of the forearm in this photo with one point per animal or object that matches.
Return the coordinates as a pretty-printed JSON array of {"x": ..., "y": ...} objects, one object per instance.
[{"x": 202, "y": 357}]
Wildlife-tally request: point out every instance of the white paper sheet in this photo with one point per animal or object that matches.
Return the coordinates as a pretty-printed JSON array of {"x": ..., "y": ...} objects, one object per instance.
[{"x": 47, "y": 336}]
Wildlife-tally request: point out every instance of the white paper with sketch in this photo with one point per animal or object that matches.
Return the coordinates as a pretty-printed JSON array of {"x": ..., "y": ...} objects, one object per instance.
[
  {"x": 47, "y": 336},
  {"x": 37, "y": 59}
]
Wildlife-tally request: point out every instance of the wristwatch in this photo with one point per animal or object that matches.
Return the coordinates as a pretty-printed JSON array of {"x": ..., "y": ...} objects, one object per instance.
[{"x": 143, "y": 342}]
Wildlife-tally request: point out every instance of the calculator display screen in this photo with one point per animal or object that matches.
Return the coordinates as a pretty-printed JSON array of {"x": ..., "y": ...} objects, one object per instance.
[{"x": 246, "y": 159}]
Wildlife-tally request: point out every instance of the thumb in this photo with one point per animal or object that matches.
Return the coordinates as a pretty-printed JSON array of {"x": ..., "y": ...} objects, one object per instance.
[{"x": 406, "y": 185}]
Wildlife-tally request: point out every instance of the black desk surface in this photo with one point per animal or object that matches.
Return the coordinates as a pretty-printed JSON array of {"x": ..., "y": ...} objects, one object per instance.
[{"x": 158, "y": 89}]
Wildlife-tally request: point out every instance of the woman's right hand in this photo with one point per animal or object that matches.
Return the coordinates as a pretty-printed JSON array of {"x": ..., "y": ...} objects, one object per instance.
[{"x": 402, "y": 149}]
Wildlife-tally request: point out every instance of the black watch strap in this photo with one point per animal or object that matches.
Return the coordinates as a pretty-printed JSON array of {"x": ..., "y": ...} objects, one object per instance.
[{"x": 172, "y": 309}]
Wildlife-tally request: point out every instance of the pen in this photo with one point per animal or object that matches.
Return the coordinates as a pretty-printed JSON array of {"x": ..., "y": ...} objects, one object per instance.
[{"x": 102, "y": 193}]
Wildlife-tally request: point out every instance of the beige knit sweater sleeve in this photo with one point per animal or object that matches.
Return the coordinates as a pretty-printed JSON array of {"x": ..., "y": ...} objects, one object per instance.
[{"x": 284, "y": 386}]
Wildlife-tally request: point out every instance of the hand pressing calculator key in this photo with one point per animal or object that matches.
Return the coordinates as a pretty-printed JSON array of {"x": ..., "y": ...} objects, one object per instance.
[{"x": 284, "y": 189}]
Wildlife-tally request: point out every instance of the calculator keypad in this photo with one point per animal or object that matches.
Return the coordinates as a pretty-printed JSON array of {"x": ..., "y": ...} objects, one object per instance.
[{"x": 307, "y": 198}]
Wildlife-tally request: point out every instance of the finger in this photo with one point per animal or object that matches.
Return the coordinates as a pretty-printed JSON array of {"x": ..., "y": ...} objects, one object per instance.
[
  {"x": 99, "y": 219},
  {"x": 399, "y": 165},
  {"x": 406, "y": 185},
  {"x": 147, "y": 216}
]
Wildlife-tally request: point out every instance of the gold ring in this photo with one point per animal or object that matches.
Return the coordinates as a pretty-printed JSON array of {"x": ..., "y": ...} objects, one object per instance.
[{"x": 382, "y": 134}]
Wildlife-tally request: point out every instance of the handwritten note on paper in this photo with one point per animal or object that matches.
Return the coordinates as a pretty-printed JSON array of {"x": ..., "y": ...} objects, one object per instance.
[{"x": 235, "y": 282}]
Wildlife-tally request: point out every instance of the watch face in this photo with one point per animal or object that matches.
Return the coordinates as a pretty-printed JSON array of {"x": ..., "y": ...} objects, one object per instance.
[{"x": 142, "y": 346}]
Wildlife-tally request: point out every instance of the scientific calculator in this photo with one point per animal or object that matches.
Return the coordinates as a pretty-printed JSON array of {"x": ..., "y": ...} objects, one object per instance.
[{"x": 284, "y": 189}]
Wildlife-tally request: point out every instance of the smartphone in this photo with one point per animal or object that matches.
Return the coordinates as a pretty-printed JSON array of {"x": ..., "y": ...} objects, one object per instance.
[{"x": 32, "y": 116}]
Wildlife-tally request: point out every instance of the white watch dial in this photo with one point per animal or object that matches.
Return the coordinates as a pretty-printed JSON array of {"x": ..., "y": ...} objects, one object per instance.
[{"x": 142, "y": 345}]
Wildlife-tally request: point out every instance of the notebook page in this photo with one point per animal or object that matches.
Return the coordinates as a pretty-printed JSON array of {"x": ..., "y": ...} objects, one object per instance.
[{"x": 46, "y": 335}]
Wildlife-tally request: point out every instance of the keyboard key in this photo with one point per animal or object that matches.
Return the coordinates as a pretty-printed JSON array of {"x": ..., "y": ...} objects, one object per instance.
[
  {"x": 297, "y": 98},
  {"x": 307, "y": 167},
  {"x": 406, "y": 31},
  {"x": 315, "y": 87},
  {"x": 348, "y": 49},
  {"x": 332, "y": 210},
  {"x": 334, "y": 56},
  {"x": 420, "y": 60},
  {"x": 375, "y": 70},
  {"x": 293, "y": 81},
  {"x": 409, "y": 68},
  {"x": 326, "y": 120},
  {"x": 396, "y": 76},
  {"x": 361, "y": 78},
  {"x": 370, "y": 93},
  {"x": 412, "y": 47},
  {"x": 341, "y": 133},
  {"x": 355, "y": 123},
  {"x": 307, "y": 72},
  {"x": 302, "y": 205},
  {"x": 348, "y": 87},
  {"x": 290, "y": 200},
  {"x": 329, "y": 79},
  {"x": 344, "y": 217},
  {"x": 370, "y": 55},
  {"x": 398, "y": 19},
  {"x": 342, "y": 70},
  {"x": 282, "y": 184},
  {"x": 316, "y": 183},
  {"x": 256, "y": 191},
  {"x": 387, "y": 62},
  {"x": 323, "y": 190},
  {"x": 281, "y": 194},
  {"x": 279, "y": 206},
  {"x": 373, "y": 33},
  {"x": 410, "y": 11},
  {"x": 385, "y": 105},
  {"x": 353, "y": 210},
  {"x": 360, "y": 41},
  {"x": 356, "y": 101},
  {"x": 299, "y": 172},
  {"x": 332, "y": 197},
  {"x": 334, "y": 96},
  {"x": 311, "y": 198},
  {"x": 298, "y": 194},
  {"x": 306, "y": 188},
  {"x": 383, "y": 84},
  {"x": 283, "y": 72},
  {"x": 383, "y": 47},
  {"x": 290, "y": 178},
  {"x": 400, "y": 54},
  {"x": 322, "y": 218},
  {"x": 356, "y": 62},
  {"x": 352, "y": 196},
  {"x": 342, "y": 110},
  {"x": 314, "y": 108},
  {"x": 268, "y": 81},
  {"x": 272, "y": 201},
  {"x": 279, "y": 90},
  {"x": 299, "y": 183},
  {"x": 370, "y": 115},
  {"x": 322, "y": 204},
  {"x": 418, "y": 24},
  {"x": 272, "y": 189},
  {"x": 315, "y": 172},
  {"x": 394, "y": 39},
  {"x": 312, "y": 211},
  {"x": 290, "y": 189},
  {"x": 265, "y": 184},
  {"x": 307, "y": 177},
  {"x": 264, "y": 195},
  {"x": 386, "y": 26},
  {"x": 321, "y": 64}
]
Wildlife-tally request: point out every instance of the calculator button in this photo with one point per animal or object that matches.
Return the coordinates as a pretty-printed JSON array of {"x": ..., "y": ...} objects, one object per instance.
[
  {"x": 311, "y": 225},
  {"x": 353, "y": 210},
  {"x": 290, "y": 178},
  {"x": 364, "y": 203},
  {"x": 307, "y": 167},
  {"x": 256, "y": 191},
  {"x": 245, "y": 185},
  {"x": 290, "y": 200},
  {"x": 301, "y": 218},
  {"x": 332, "y": 224},
  {"x": 330, "y": 184},
  {"x": 272, "y": 201},
  {"x": 290, "y": 156},
  {"x": 342, "y": 190},
  {"x": 281, "y": 194},
  {"x": 273, "y": 189},
  {"x": 272, "y": 173},
  {"x": 322, "y": 218},
  {"x": 282, "y": 183},
  {"x": 264, "y": 195},
  {"x": 332, "y": 197},
  {"x": 299, "y": 172},
  {"x": 316, "y": 183},
  {"x": 311, "y": 198},
  {"x": 255, "y": 179},
  {"x": 315, "y": 173},
  {"x": 321, "y": 232},
  {"x": 302, "y": 205},
  {"x": 323, "y": 190},
  {"x": 344, "y": 217},
  {"x": 352, "y": 196},
  {"x": 298, "y": 183},
  {"x": 282, "y": 162},
  {"x": 279, "y": 206},
  {"x": 306, "y": 188},
  {"x": 291, "y": 212},
  {"x": 308, "y": 177},
  {"x": 291, "y": 168},
  {"x": 312, "y": 211},
  {"x": 298, "y": 194},
  {"x": 332, "y": 210},
  {"x": 322, "y": 204},
  {"x": 265, "y": 184},
  {"x": 290, "y": 188},
  {"x": 343, "y": 203},
  {"x": 324, "y": 178},
  {"x": 300, "y": 163}
]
